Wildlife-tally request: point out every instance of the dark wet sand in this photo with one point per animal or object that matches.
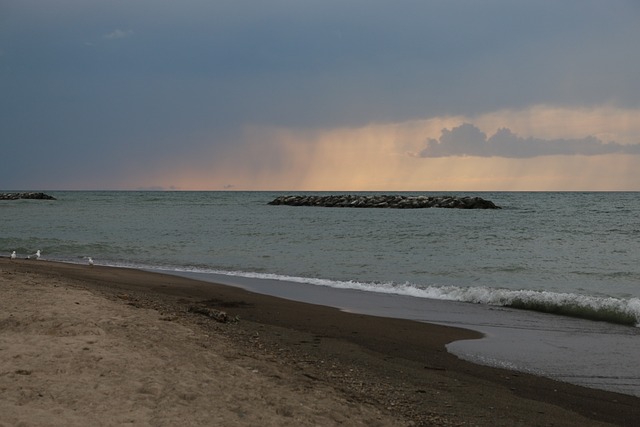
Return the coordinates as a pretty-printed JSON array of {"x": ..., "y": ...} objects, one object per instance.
[{"x": 399, "y": 366}]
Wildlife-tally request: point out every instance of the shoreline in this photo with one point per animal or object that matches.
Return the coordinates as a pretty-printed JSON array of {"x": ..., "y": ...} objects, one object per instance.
[{"x": 398, "y": 366}]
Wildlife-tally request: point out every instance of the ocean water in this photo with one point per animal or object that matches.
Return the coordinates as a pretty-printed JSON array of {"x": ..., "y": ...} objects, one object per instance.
[{"x": 576, "y": 254}]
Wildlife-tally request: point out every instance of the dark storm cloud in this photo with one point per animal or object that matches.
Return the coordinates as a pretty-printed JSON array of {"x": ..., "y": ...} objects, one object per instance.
[
  {"x": 325, "y": 63},
  {"x": 467, "y": 140},
  {"x": 128, "y": 81}
]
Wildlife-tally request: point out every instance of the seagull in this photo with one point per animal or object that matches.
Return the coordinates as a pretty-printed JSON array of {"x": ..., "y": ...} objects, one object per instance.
[
  {"x": 13, "y": 255},
  {"x": 90, "y": 261},
  {"x": 38, "y": 254}
]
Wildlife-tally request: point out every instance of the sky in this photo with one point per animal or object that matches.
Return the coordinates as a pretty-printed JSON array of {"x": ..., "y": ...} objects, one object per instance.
[{"x": 349, "y": 95}]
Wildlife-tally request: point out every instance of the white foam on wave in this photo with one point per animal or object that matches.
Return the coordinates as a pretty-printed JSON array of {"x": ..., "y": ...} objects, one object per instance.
[
  {"x": 611, "y": 309},
  {"x": 588, "y": 306},
  {"x": 596, "y": 307}
]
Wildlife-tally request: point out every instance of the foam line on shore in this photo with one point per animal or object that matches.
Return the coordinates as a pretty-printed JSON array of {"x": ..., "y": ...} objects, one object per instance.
[
  {"x": 623, "y": 311},
  {"x": 608, "y": 309}
]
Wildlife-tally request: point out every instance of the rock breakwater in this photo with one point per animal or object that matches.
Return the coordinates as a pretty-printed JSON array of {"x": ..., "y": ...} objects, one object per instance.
[
  {"x": 386, "y": 201},
  {"x": 29, "y": 195}
]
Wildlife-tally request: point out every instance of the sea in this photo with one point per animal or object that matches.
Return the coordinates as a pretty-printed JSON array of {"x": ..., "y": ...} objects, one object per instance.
[{"x": 552, "y": 278}]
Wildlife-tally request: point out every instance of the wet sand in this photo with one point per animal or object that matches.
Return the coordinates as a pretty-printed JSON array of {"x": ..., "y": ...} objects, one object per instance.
[{"x": 112, "y": 346}]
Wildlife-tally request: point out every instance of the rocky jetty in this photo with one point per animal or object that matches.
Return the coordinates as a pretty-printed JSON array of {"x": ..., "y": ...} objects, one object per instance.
[
  {"x": 386, "y": 201},
  {"x": 35, "y": 196}
]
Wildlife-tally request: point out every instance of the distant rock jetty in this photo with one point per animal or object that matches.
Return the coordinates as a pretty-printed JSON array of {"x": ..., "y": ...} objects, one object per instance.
[
  {"x": 386, "y": 201},
  {"x": 35, "y": 196}
]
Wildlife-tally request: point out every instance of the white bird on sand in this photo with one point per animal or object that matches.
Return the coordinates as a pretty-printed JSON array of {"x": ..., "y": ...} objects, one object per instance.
[
  {"x": 38, "y": 254},
  {"x": 13, "y": 255},
  {"x": 90, "y": 261}
]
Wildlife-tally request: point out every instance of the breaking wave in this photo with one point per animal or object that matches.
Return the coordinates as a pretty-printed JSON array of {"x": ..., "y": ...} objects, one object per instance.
[
  {"x": 607, "y": 309},
  {"x": 624, "y": 311}
]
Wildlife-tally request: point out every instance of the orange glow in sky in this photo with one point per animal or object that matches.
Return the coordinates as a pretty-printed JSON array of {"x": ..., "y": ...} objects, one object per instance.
[{"x": 382, "y": 157}]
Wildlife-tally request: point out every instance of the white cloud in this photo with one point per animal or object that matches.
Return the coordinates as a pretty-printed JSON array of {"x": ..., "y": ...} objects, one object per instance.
[{"x": 118, "y": 34}]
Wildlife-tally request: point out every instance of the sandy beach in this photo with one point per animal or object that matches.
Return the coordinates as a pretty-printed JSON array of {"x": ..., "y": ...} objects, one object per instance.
[{"x": 83, "y": 345}]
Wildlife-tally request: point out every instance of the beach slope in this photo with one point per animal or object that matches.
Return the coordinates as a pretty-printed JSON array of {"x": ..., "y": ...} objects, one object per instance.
[{"x": 82, "y": 345}]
